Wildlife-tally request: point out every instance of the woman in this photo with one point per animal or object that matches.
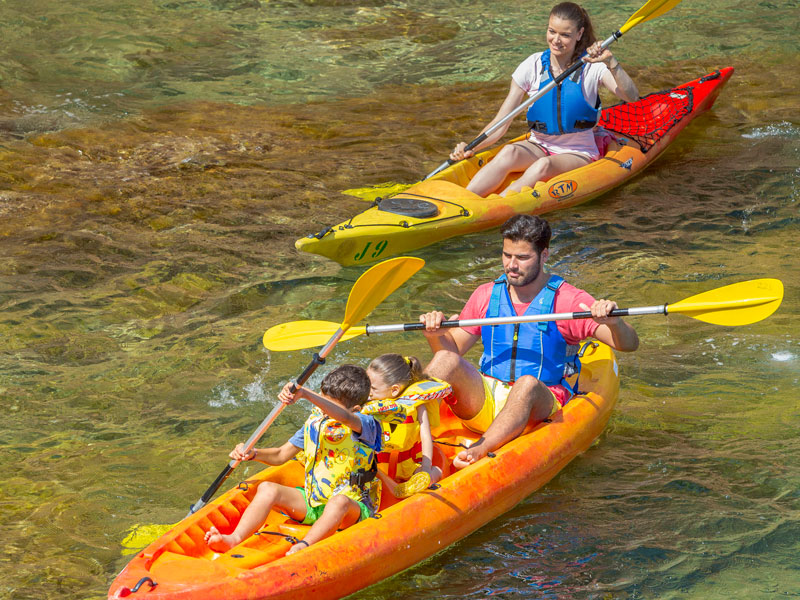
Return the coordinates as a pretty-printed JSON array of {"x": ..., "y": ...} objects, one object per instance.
[{"x": 561, "y": 136}]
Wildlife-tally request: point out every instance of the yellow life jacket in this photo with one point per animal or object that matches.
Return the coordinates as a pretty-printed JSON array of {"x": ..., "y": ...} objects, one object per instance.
[
  {"x": 332, "y": 456},
  {"x": 398, "y": 416}
]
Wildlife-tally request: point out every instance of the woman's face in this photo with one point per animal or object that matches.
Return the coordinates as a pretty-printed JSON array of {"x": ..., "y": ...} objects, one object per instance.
[{"x": 562, "y": 35}]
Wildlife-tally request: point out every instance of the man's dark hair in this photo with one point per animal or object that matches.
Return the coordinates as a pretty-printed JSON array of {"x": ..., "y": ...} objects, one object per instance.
[
  {"x": 348, "y": 383},
  {"x": 530, "y": 228}
]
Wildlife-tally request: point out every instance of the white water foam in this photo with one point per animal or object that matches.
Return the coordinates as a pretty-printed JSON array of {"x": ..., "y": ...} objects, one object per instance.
[{"x": 782, "y": 129}]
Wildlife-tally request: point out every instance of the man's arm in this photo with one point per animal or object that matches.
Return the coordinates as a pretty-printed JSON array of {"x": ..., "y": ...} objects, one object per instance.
[
  {"x": 612, "y": 330},
  {"x": 454, "y": 339}
]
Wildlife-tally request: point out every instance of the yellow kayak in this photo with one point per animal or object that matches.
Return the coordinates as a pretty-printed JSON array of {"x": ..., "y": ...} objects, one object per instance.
[{"x": 435, "y": 209}]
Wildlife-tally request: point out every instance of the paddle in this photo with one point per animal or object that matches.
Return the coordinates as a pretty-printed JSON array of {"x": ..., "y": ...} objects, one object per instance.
[
  {"x": 369, "y": 290},
  {"x": 736, "y": 304},
  {"x": 650, "y": 10}
]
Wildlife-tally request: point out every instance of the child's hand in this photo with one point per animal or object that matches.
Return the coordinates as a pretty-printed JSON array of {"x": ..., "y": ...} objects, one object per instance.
[
  {"x": 239, "y": 454},
  {"x": 287, "y": 396}
]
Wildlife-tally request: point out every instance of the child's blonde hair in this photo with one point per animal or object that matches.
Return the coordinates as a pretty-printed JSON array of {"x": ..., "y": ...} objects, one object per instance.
[{"x": 397, "y": 369}]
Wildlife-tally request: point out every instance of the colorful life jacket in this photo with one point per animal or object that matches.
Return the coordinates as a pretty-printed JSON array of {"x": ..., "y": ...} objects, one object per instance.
[
  {"x": 337, "y": 464},
  {"x": 564, "y": 108},
  {"x": 538, "y": 349},
  {"x": 401, "y": 447}
]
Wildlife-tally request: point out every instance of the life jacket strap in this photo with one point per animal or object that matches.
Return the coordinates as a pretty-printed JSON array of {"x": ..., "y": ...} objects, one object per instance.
[
  {"x": 385, "y": 457},
  {"x": 361, "y": 477}
]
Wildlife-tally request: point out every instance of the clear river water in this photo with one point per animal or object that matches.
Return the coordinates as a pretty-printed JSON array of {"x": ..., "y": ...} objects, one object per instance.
[{"x": 158, "y": 158}]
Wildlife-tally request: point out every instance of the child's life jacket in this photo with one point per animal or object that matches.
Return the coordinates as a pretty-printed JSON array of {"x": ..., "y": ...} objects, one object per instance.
[
  {"x": 400, "y": 424},
  {"x": 336, "y": 463}
]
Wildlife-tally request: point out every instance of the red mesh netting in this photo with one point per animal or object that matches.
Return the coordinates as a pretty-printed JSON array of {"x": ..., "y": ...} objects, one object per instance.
[{"x": 649, "y": 118}]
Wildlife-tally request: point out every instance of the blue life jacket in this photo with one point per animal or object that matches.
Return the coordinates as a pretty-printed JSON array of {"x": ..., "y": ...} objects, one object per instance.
[
  {"x": 538, "y": 349},
  {"x": 563, "y": 109}
]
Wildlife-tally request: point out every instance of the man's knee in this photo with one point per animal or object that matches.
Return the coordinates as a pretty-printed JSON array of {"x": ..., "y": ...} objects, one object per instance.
[
  {"x": 527, "y": 384},
  {"x": 443, "y": 363},
  {"x": 537, "y": 395}
]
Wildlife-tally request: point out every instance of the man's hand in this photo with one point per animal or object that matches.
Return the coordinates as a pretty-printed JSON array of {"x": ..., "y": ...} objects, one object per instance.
[
  {"x": 433, "y": 321},
  {"x": 600, "y": 310}
]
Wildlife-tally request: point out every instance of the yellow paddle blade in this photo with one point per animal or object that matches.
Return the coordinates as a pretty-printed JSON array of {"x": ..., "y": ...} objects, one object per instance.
[
  {"x": 297, "y": 335},
  {"x": 651, "y": 10},
  {"x": 141, "y": 536},
  {"x": 376, "y": 284},
  {"x": 736, "y": 304},
  {"x": 382, "y": 189}
]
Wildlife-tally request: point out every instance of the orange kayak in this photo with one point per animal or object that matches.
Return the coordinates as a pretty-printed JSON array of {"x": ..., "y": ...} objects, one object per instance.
[
  {"x": 634, "y": 135},
  {"x": 179, "y": 565}
]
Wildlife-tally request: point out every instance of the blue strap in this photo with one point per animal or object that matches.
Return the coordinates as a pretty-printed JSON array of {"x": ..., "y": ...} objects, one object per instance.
[
  {"x": 494, "y": 301},
  {"x": 549, "y": 299}
]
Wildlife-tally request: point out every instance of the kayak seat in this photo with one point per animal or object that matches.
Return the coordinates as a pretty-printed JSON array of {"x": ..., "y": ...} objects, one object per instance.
[
  {"x": 603, "y": 139},
  {"x": 294, "y": 529}
]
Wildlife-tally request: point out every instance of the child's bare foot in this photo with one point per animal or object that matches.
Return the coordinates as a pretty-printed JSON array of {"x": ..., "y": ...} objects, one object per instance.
[
  {"x": 301, "y": 545},
  {"x": 218, "y": 542}
]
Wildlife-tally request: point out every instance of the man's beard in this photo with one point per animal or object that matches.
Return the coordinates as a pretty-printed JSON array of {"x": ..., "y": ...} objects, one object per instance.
[{"x": 530, "y": 277}]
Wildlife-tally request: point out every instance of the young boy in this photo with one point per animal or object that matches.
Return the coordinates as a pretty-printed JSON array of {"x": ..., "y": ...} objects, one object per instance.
[{"x": 339, "y": 445}]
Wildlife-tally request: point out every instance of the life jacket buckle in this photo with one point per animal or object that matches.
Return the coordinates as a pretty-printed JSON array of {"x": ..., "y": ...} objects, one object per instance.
[
  {"x": 361, "y": 477},
  {"x": 538, "y": 126}
]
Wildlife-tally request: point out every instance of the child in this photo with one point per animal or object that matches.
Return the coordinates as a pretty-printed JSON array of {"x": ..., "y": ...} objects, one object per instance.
[
  {"x": 406, "y": 405},
  {"x": 339, "y": 445}
]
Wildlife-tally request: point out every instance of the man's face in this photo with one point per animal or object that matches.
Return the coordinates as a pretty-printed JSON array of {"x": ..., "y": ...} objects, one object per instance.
[{"x": 521, "y": 263}]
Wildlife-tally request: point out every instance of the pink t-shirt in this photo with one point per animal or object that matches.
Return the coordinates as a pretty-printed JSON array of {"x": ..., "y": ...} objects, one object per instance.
[{"x": 568, "y": 299}]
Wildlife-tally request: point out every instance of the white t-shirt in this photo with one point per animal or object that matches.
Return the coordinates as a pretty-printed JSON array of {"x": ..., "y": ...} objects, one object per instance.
[{"x": 528, "y": 76}]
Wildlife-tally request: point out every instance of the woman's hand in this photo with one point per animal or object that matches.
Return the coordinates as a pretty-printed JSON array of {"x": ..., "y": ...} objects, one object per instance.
[{"x": 596, "y": 53}]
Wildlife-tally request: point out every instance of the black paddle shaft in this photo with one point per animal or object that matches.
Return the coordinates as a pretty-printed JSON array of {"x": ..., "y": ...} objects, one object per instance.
[{"x": 585, "y": 314}]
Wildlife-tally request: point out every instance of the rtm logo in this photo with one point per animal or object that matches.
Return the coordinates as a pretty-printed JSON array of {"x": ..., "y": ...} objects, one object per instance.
[{"x": 562, "y": 190}]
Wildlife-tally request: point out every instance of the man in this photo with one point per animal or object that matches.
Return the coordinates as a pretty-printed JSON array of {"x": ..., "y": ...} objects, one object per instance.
[{"x": 521, "y": 378}]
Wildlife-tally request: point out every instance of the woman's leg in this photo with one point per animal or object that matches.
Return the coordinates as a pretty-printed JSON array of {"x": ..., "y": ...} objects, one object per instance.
[
  {"x": 546, "y": 168},
  {"x": 513, "y": 157}
]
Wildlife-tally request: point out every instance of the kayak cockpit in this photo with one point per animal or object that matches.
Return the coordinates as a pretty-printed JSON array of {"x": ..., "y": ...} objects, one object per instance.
[{"x": 184, "y": 553}]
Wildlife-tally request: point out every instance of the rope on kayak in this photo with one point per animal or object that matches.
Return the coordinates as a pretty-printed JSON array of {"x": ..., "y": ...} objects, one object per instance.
[
  {"x": 649, "y": 119},
  {"x": 463, "y": 212},
  {"x": 285, "y": 536}
]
